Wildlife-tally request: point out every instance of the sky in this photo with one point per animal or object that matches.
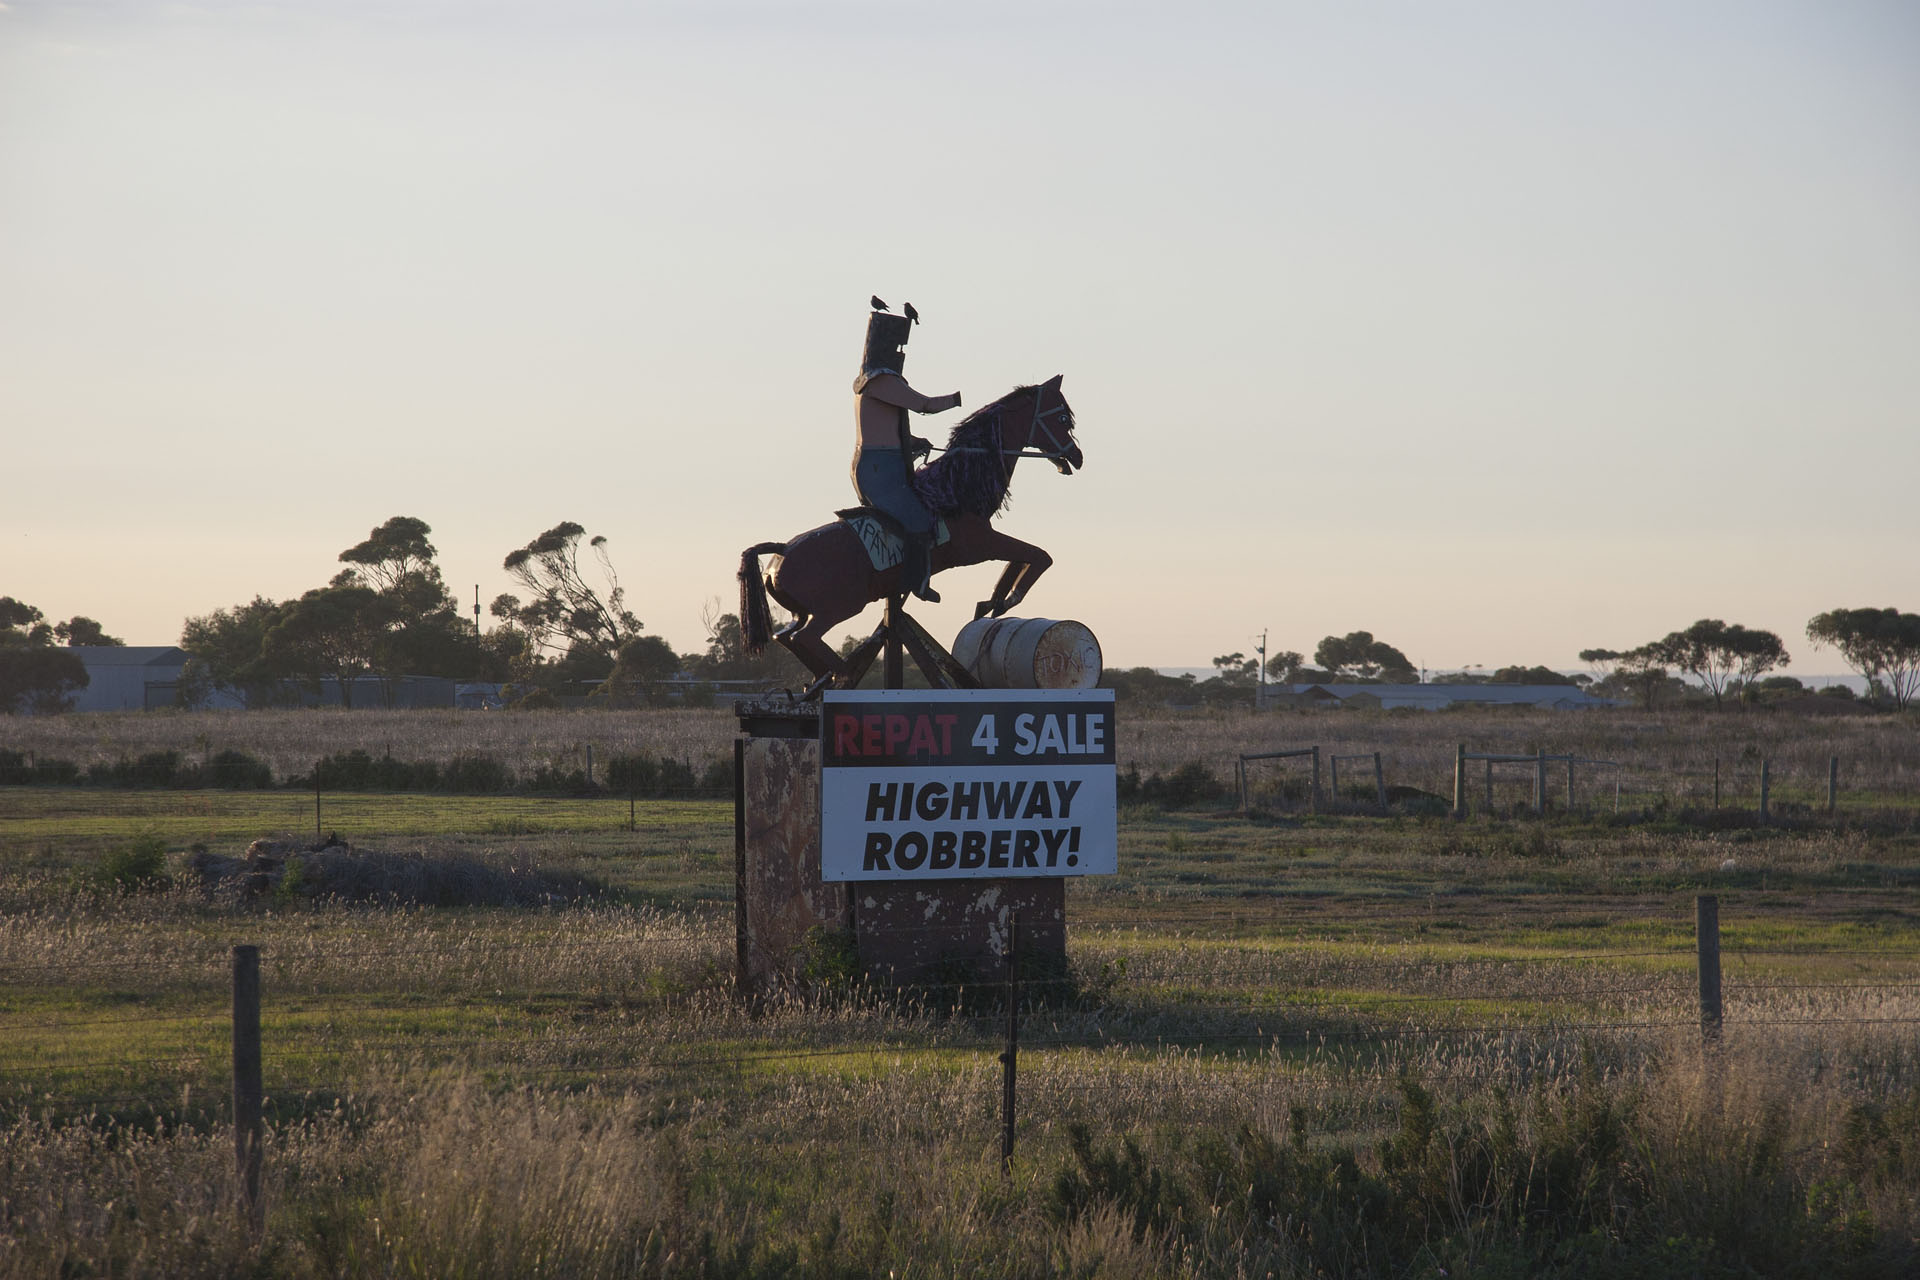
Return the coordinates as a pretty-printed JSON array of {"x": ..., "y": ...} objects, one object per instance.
[{"x": 1500, "y": 330}]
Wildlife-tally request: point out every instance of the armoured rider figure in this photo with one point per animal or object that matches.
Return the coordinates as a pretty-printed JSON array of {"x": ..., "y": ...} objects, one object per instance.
[{"x": 884, "y": 449}]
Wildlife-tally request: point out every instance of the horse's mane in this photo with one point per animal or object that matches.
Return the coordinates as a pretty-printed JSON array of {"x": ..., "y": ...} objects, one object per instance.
[{"x": 971, "y": 477}]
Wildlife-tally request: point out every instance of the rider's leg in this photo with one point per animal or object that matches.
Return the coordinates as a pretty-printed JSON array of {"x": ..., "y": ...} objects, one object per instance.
[
  {"x": 916, "y": 572},
  {"x": 883, "y": 480}
]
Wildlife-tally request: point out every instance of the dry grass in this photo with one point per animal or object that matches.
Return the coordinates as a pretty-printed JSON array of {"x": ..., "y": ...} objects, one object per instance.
[
  {"x": 571, "y": 1090},
  {"x": 1668, "y": 755}
]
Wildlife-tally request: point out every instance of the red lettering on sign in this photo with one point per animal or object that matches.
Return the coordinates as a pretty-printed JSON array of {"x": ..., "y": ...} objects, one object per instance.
[
  {"x": 923, "y": 739},
  {"x": 869, "y": 735},
  {"x": 846, "y": 735},
  {"x": 896, "y": 733},
  {"x": 946, "y": 724}
]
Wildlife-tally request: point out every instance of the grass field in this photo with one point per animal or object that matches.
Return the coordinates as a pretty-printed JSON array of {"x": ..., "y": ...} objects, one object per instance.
[{"x": 1345, "y": 1044}]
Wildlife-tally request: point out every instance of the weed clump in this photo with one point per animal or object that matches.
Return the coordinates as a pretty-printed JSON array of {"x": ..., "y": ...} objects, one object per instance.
[
  {"x": 137, "y": 866},
  {"x": 20, "y": 769},
  {"x": 1187, "y": 787}
]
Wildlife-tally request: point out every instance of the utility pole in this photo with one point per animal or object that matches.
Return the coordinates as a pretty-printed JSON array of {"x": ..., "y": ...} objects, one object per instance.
[
  {"x": 476, "y": 609},
  {"x": 1260, "y": 698}
]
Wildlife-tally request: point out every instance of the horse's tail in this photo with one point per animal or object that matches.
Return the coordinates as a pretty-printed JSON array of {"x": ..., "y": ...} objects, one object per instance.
[{"x": 756, "y": 623}]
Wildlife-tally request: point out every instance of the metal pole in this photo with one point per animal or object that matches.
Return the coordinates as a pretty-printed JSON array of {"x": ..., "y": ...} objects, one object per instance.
[
  {"x": 1716, "y": 782},
  {"x": 1833, "y": 785},
  {"x": 1313, "y": 798},
  {"x": 246, "y": 1083},
  {"x": 1333, "y": 778},
  {"x": 893, "y": 669},
  {"x": 316, "y": 801},
  {"x": 1010, "y": 1058},
  {"x": 1540, "y": 781},
  {"x": 1379, "y": 781},
  {"x": 1569, "y": 782},
  {"x": 1766, "y": 785}
]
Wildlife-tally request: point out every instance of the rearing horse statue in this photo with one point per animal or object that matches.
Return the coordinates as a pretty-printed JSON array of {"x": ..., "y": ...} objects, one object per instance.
[{"x": 827, "y": 575}]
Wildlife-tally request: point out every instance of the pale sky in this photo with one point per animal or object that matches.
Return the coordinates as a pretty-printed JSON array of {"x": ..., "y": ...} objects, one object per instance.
[{"x": 1500, "y": 330}]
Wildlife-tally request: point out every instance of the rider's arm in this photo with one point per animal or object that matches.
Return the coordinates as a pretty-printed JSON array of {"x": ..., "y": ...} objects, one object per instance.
[{"x": 892, "y": 389}]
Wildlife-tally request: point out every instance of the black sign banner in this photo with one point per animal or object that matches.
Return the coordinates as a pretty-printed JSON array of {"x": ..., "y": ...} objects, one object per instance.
[{"x": 933, "y": 784}]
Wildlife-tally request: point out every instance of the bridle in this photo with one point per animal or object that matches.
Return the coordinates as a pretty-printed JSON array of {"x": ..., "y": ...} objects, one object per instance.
[{"x": 1038, "y": 425}]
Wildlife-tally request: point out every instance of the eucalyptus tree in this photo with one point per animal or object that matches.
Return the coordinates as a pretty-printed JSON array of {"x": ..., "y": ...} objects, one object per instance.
[{"x": 1881, "y": 644}]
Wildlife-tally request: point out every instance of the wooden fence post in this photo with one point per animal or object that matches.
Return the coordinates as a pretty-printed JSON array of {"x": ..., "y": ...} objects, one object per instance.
[
  {"x": 1706, "y": 930},
  {"x": 1540, "y": 782},
  {"x": 1833, "y": 785},
  {"x": 1766, "y": 785},
  {"x": 1313, "y": 797},
  {"x": 1379, "y": 781},
  {"x": 1333, "y": 777},
  {"x": 246, "y": 1083},
  {"x": 1569, "y": 782},
  {"x": 1240, "y": 776},
  {"x": 1460, "y": 782}
]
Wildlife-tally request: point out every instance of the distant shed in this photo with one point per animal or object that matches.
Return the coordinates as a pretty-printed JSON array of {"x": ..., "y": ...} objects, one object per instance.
[{"x": 132, "y": 677}]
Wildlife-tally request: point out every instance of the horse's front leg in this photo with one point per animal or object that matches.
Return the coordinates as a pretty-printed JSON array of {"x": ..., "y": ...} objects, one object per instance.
[{"x": 1025, "y": 564}]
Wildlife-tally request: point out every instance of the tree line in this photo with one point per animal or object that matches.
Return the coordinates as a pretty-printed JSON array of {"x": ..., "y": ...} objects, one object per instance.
[
  {"x": 1732, "y": 661},
  {"x": 388, "y": 614}
]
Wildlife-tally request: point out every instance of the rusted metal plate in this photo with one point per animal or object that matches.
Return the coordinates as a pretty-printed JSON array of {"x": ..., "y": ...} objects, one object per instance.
[
  {"x": 779, "y": 893},
  {"x": 956, "y": 930}
]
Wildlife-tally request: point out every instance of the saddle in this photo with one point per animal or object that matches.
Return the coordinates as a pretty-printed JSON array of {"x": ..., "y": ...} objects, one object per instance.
[{"x": 882, "y": 536}]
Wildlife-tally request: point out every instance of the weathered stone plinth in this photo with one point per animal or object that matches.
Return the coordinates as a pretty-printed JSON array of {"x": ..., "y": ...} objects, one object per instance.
[{"x": 928, "y": 931}]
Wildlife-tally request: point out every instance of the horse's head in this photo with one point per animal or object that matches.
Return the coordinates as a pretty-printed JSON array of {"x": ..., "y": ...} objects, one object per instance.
[{"x": 1050, "y": 430}]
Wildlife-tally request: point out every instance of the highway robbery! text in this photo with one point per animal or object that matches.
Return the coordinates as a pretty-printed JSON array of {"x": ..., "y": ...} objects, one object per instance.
[{"x": 919, "y": 784}]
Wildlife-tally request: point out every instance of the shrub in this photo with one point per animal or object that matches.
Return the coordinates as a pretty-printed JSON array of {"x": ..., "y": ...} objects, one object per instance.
[
  {"x": 1190, "y": 785},
  {"x": 141, "y": 863},
  {"x": 553, "y": 778},
  {"x": 635, "y": 774},
  {"x": 475, "y": 774},
  {"x": 676, "y": 776},
  {"x": 718, "y": 775},
  {"x": 18, "y": 769},
  {"x": 238, "y": 771},
  {"x": 154, "y": 769}
]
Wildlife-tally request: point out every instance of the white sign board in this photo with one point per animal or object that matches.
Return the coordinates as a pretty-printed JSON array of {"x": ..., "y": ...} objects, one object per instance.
[{"x": 934, "y": 784}]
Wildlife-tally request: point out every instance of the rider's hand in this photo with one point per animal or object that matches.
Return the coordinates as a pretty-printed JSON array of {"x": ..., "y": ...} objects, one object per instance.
[{"x": 918, "y": 447}]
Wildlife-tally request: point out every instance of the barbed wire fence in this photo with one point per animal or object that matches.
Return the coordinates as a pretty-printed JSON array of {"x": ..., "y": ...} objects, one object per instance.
[
  {"x": 1505, "y": 784},
  {"x": 297, "y": 1031}
]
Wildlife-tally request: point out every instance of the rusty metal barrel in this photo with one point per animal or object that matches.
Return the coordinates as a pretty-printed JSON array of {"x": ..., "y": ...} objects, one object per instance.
[{"x": 1029, "y": 653}]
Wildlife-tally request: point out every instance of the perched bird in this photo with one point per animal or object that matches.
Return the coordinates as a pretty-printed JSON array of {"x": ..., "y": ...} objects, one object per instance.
[
  {"x": 912, "y": 315},
  {"x": 877, "y": 304}
]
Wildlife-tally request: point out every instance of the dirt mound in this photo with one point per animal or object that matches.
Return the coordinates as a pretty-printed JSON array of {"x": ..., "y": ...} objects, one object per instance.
[{"x": 334, "y": 869}]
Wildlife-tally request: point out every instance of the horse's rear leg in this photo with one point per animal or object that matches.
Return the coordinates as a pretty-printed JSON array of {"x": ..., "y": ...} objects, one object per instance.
[{"x": 807, "y": 641}]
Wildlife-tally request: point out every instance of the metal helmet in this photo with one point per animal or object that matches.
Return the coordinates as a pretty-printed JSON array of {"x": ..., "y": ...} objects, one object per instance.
[{"x": 886, "y": 350}]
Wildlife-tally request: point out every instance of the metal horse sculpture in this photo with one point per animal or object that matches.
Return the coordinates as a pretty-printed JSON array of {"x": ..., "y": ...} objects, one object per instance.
[{"x": 825, "y": 575}]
